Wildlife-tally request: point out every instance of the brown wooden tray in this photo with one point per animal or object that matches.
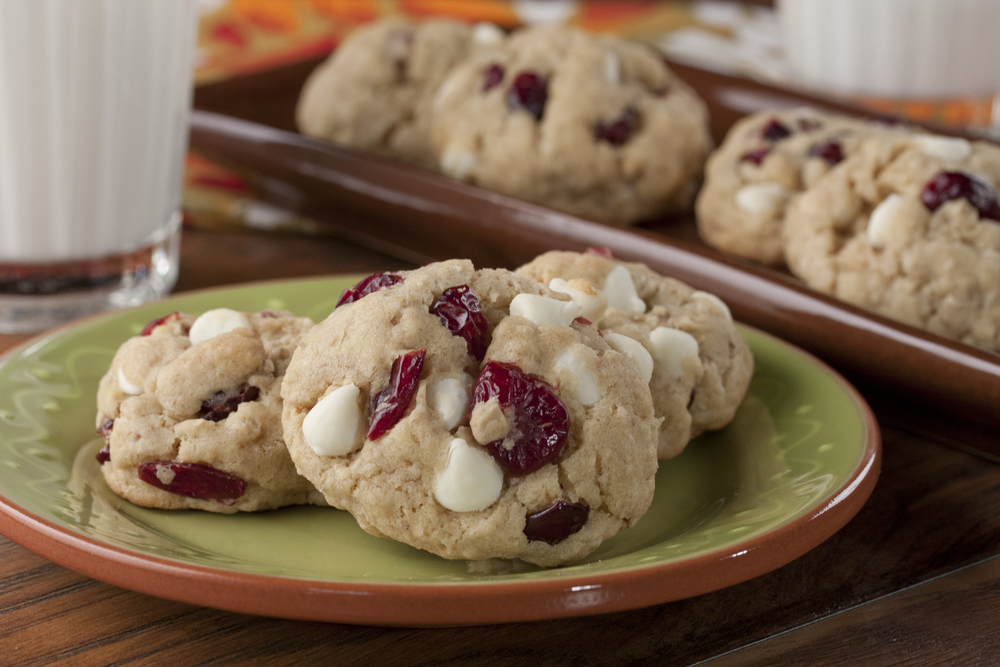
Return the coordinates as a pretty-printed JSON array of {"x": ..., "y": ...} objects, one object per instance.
[{"x": 247, "y": 124}]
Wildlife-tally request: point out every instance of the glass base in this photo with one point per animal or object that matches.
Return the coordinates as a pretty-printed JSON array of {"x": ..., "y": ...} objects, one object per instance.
[{"x": 35, "y": 297}]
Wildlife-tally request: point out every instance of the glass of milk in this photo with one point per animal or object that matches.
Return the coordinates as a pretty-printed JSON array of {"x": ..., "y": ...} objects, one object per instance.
[{"x": 94, "y": 103}]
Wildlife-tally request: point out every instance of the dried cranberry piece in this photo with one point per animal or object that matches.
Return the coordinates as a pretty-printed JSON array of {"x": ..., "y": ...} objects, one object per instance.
[
  {"x": 104, "y": 430},
  {"x": 461, "y": 313},
  {"x": 538, "y": 420},
  {"x": 948, "y": 185},
  {"x": 268, "y": 314},
  {"x": 755, "y": 156},
  {"x": 390, "y": 404},
  {"x": 600, "y": 252},
  {"x": 373, "y": 283},
  {"x": 221, "y": 405},
  {"x": 557, "y": 522},
  {"x": 193, "y": 480},
  {"x": 493, "y": 77},
  {"x": 775, "y": 130},
  {"x": 808, "y": 124},
  {"x": 530, "y": 92},
  {"x": 148, "y": 329},
  {"x": 104, "y": 455},
  {"x": 584, "y": 321},
  {"x": 829, "y": 151},
  {"x": 619, "y": 130}
]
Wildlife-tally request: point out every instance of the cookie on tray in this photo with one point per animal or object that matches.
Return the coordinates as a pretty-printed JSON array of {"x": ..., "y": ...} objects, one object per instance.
[
  {"x": 374, "y": 92},
  {"x": 469, "y": 413},
  {"x": 191, "y": 413},
  {"x": 593, "y": 125},
  {"x": 908, "y": 227},
  {"x": 766, "y": 159},
  {"x": 696, "y": 362}
]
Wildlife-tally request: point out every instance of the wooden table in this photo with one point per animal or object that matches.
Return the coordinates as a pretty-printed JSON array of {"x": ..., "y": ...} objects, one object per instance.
[{"x": 912, "y": 580}]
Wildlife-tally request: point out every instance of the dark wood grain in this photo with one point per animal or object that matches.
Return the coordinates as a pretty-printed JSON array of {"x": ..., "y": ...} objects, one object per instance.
[{"x": 933, "y": 512}]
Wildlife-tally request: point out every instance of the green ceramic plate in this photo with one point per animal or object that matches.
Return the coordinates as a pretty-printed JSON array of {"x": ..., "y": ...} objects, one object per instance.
[{"x": 798, "y": 461}]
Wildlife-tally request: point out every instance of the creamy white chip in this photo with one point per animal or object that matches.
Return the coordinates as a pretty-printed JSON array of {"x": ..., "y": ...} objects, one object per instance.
[
  {"x": 127, "y": 386},
  {"x": 719, "y": 303},
  {"x": 612, "y": 68},
  {"x": 762, "y": 198},
  {"x": 883, "y": 220},
  {"x": 954, "y": 149},
  {"x": 165, "y": 475},
  {"x": 211, "y": 323},
  {"x": 471, "y": 479},
  {"x": 592, "y": 302},
  {"x": 620, "y": 290},
  {"x": 333, "y": 426},
  {"x": 635, "y": 351},
  {"x": 587, "y": 390},
  {"x": 486, "y": 33},
  {"x": 544, "y": 310},
  {"x": 457, "y": 162},
  {"x": 450, "y": 399},
  {"x": 671, "y": 347}
]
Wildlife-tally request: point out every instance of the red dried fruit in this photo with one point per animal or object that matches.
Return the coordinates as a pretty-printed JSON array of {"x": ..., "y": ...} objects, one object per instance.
[
  {"x": 600, "y": 252},
  {"x": 808, "y": 124},
  {"x": 948, "y": 185},
  {"x": 104, "y": 455},
  {"x": 557, "y": 522},
  {"x": 221, "y": 405},
  {"x": 530, "y": 92},
  {"x": 104, "y": 430},
  {"x": 492, "y": 77},
  {"x": 390, "y": 404},
  {"x": 193, "y": 480},
  {"x": 461, "y": 313},
  {"x": 148, "y": 329},
  {"x": 538, "y": 419},
  {"x": 775, "y": 130},
  {"x": 755, "y": 156},
  {"x": 829, "y": 151},
  {"x": 619, "y": 130},
  {"x": 373, "y": 283},
  {"x": 268, "y": 314}
]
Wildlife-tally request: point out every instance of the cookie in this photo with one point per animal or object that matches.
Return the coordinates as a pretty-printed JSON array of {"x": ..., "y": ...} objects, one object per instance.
[
  {"x": 593, "y": 125},
  {"x": 191, "y": 412},
  {"x": 464, "y": 412},
  {"x": 696, "y": 362},
  {"x": 764, "y": 162},
  {"x": 907, "y": 227},
  {"x": 374, "y": 92}
]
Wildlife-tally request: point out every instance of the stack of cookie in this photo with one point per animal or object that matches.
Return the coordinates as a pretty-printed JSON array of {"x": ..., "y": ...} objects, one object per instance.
[
  {"x": 593, "y": 125},
  {"x": 892, "y": 219},
  {"x": 472, "y": 413}
]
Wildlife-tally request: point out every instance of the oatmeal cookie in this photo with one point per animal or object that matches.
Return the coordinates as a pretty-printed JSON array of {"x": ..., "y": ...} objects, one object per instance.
[
  {"x": 766, "y": 160},
  {"x": 466, "y": 413},
  {"x": 593, "y": 125},
  {"x": 191, "y": 412},
  {"x": 908, "y": 227},
  {"x": 699, "y": 366},
  {"x": 374, "y": 92}
]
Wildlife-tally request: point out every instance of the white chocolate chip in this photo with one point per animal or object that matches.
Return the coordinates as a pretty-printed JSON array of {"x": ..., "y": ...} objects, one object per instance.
[
  {"x": 333, "y": 426},
  {"x": 485, "y": 33},
  {"x": 762, "y": 198},
  {"x": 587, "y": 391},
  {"x": 544, "y": 310},
  {"x": 165, "y": 475},
  {"x": 592, "y": 301},
  {"x": 882, "y": 221},
  {"x": 671, "y": 347},
  {"x": 457, "y": 162},
  {"x": 471, "y": 479},
  {"x": 211, "y": 323},
  {"x": 954, "y": 149},
  {"x": 620, "y": 290},
  {"x": 612, "y": 68},
  {"x": 450, "y": 399},
  {"x": 635, "y": 351},
  {"x": 719, "y": 303},
  {"x": 127, "y": 386}
]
